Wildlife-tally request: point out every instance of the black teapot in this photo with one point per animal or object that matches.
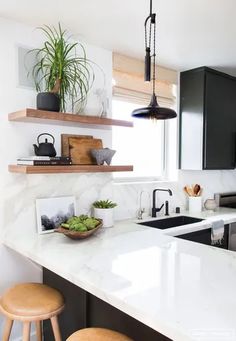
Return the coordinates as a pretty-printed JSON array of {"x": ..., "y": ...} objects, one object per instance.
[{"x": 45, "y": 148}]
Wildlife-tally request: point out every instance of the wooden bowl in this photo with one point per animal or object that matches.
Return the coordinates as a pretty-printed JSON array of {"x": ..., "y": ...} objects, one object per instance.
[{"x": 78, "y": 234}]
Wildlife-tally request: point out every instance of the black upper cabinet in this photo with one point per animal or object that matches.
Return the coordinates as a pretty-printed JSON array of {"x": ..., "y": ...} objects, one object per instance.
[{"x": 207, "y": 119}]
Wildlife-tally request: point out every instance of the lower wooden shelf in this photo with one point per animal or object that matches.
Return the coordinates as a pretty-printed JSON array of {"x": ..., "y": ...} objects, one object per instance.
[{"x": 67, "y": 169}]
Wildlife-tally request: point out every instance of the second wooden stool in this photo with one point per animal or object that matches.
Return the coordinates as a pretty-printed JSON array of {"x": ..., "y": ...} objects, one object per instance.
[
  {"x": 97, "y": 334},
  {"x": 28, "y": 302}
]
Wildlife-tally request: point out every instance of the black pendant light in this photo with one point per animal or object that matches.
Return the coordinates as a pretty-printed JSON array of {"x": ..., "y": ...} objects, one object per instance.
[{"x": 153, "y": 110}]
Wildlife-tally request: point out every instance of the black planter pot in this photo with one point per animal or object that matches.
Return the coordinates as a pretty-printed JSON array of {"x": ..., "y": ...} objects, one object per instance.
[{"x": 48, "y": 101}]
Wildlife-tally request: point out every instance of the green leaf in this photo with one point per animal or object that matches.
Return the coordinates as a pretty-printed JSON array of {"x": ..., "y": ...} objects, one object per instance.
[{"x": 104, "y": 204}]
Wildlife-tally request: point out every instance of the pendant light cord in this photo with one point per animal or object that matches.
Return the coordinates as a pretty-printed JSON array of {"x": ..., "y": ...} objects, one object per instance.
[
  {"x": 148, "y": 39},
  {"x": 148, "y": 42},
  {"x": 154, "y": 60},
  {"x": 153, "y": 110}
]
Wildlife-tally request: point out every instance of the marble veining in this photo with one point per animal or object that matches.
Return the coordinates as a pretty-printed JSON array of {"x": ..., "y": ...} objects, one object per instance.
[{"x": 183, "y": 290}]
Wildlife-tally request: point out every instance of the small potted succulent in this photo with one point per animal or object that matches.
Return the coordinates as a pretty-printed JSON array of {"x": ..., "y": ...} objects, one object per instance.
[{"x": 103, "y": 209}]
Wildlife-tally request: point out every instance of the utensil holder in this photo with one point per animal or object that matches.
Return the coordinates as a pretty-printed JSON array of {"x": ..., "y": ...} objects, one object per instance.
[{"x": 195, "y": 204}]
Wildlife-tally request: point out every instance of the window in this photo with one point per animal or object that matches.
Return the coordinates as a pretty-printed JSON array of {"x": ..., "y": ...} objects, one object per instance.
[
  {"x": 143, "y": 146},
  {"x": 151, "y": 146}
]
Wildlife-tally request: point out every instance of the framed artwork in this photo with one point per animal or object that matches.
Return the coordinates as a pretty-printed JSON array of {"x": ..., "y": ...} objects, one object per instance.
[{"x": 52, "y": 212}]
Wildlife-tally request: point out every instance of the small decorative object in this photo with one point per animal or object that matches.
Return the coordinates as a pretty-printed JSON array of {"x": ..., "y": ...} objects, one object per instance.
[
  {"x": 177, "y": 210},
  {"x": 93, "y": 106},
  {"x": 194, "y": 195},
  {"x": 103, "y": 209},
  {"x": 153, "y": 110},
  {"x": 97, "y": 102},
  {"x": 52, "y": 212},
  {"x": 60, "y": 71},
  {"x": 102, "y": 155},
  {"x": 210, "y": 204},
  {"x": 104, "y": 100},
  {"x": 80, "y": 227},
  {"x": 45, "y": 148}
]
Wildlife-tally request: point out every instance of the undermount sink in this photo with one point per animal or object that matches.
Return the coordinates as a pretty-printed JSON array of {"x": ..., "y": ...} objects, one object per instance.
[{"x": 171, "y": 222}]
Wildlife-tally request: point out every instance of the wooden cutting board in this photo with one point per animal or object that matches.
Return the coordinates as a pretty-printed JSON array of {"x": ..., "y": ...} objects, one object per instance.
[
  {"x": 80, "y": 150},
  {"x": 65, "y": 148}
]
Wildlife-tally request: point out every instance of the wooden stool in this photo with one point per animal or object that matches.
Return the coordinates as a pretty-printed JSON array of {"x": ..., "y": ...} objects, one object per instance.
[
  {"x": 97, "y": 334},
  {"x": 28, "y": 302}
]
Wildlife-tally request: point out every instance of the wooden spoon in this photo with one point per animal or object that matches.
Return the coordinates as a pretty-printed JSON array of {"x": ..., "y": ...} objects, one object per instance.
[
  {"x": 190, "y": 190},
  {"x": 200, "y": 192},
  {"x": 196, "y": 189},
  {"x": 186, "y": 190}
]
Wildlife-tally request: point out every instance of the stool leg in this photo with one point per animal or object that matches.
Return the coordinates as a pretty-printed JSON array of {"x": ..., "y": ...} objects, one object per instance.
[
  {"x": 7, "y": 330},
  {"x": 55, "y": 328},
  {"x": 26, "y": 331},
  {"x": 38, "y": 330}
]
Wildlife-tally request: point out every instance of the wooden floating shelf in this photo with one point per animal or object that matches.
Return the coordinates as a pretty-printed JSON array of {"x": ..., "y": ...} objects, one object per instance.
[
  {"x": 67, "y": 169},
  {"x": 59, "y": 118}
]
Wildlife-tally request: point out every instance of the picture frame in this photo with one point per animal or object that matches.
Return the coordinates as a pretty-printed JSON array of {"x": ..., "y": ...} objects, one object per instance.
[
  {"x": 25, "y": 62},
  {"x": 52, "y": 212}
]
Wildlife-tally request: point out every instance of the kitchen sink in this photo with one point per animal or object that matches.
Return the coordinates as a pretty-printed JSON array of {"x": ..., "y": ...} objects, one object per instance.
[{"x": 171, "y": 222}]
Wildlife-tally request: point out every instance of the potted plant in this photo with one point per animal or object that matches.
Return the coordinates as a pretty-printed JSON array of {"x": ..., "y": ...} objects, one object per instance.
[
  {"x": 103, "y": 209},
  {"x": 60, "y": 72}
]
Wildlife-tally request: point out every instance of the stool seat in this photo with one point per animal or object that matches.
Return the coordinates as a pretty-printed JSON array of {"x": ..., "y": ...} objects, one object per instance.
[
  {"x": 97, "y": 334},
  {"x": 31, "y": 301}
]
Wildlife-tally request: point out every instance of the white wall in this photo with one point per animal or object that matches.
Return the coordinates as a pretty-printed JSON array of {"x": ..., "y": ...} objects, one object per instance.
[{"x": 18, "y": 192}]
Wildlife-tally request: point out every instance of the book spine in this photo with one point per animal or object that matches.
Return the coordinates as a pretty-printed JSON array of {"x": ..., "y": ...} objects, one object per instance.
[
  {"x": 51, "y": 163},
  {"x": 44, "y": 163},
  {"x": 39, "y": 158}
]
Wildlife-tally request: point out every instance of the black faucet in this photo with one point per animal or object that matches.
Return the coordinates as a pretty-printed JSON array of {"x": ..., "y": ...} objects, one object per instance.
[{"x": 154, "y": 209}]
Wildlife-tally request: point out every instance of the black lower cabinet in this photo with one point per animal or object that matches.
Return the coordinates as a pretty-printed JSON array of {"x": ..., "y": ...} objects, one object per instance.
[
  {"x": 85, "y": 310},
  {"x": 204, "y": 237}
]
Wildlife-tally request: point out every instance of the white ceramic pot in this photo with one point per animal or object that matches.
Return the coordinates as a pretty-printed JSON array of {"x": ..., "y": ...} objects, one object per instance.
[
  {"x": 195, "y": 204},
  {"x": 106, "y": 214}
]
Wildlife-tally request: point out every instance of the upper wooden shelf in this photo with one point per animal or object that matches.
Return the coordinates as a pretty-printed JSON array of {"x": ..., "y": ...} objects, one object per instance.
[{"x": 59, "y": 118}]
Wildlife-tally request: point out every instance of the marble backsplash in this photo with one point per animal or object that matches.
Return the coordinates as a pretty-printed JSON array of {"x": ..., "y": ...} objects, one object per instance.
[{"x": 128, "y": 195}]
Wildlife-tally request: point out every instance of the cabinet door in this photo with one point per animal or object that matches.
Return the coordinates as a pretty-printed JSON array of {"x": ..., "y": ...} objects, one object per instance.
[
  {"x": 219, "y": 122},
  {"x": 191, "y": 119},
  {"x": 202, "y": 236}
]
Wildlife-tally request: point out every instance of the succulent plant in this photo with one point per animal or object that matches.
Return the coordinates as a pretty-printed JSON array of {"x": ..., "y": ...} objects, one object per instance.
[{"x": 104, "y": 204}]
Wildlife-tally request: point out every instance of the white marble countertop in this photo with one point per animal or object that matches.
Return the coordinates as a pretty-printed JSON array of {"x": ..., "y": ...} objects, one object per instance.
[{"x": 182, "y": 289}]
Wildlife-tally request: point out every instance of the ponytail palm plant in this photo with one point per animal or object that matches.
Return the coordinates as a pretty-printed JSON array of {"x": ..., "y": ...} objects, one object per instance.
[{"x": 60, "y": 70}]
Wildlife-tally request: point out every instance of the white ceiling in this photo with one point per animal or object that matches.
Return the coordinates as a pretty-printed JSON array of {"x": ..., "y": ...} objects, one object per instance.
[{"x": 190, "y": 33}]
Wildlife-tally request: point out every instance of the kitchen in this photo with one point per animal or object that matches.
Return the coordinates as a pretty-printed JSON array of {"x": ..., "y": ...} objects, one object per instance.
[{"x": 19, "y": 191}]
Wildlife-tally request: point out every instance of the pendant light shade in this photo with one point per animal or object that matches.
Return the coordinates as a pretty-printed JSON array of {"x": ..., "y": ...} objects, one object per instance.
[{"x": 153, "y": 110}]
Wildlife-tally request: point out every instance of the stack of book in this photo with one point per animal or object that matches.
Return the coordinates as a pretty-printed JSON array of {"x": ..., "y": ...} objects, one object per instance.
[{"x": 44, "y": 161}]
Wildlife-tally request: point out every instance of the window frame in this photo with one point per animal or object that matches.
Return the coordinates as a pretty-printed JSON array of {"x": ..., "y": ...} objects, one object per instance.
[{"x": 147, "y": 179}]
